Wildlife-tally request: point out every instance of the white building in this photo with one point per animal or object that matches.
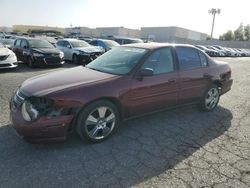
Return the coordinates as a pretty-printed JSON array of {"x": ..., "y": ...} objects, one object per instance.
[{"x": 171, "y": 34}]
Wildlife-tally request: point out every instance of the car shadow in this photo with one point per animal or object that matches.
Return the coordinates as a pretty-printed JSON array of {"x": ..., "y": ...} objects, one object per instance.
[{"x": 143, "y": 148}]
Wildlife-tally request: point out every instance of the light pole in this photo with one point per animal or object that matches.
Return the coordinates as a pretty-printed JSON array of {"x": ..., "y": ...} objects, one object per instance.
[{"x": 213, "y": 11}]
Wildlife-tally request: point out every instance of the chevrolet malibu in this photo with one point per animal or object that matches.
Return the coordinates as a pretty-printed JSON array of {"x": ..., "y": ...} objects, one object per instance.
[{"x": 125, "y": 82}]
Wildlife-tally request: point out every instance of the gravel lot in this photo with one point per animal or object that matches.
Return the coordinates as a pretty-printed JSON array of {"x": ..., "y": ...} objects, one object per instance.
[{"x": 178, "y": 148}]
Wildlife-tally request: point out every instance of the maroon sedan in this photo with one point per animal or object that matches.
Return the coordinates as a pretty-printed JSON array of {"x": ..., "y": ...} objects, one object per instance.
[{"x": 127, "y": 81}]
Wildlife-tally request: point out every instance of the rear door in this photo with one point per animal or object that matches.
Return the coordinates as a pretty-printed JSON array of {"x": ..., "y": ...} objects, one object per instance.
[
  {"x": 16, "y": 49},
  {"x": 158, "y": 91},
  {"x": 24, "y": 50},
  {"x": 193, "y": 71}
]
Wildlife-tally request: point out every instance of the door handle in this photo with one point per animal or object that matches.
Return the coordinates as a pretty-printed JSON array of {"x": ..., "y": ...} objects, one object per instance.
[
  {"x": 207, "y": 75},
  {"x": 172, "y": 80}
]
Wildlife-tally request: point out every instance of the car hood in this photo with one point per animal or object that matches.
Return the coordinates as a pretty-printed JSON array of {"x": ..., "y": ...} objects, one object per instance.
[
  {"x": 56, "y": 81},
  {"x": 4, "y": 51},
  {"x": 89, "y": 49},
  {"x": 46, "y": 50}
]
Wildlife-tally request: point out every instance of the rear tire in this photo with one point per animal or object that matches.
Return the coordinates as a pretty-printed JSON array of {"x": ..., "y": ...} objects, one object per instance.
[
  {"x": 98, "y": 121},
  {"x": 211, "y": 98}
]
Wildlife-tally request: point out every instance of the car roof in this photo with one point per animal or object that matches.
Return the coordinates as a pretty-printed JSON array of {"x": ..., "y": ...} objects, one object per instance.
[
  {"x": 29, "y": 38},
  {"x": 69, "y": 39},
  {"x": 102, "y": 40},
  {"x": 155, "y": 45}
]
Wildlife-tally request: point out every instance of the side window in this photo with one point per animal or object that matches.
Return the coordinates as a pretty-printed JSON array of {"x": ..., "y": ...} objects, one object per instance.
[
  {"x": 161, "y": 61},
  {"x": 100, "y": 43},
  {"x": 18, "y": 42},
  {"x": 188, "y": 58},
  {"x": 66, "y": 43},
  {"x": 24, "y": 44},
  {"x": 120, "y": 41},
  {"x": 60, "y": 43},
  {"x": 94, "y": 43},
  {"x": 203, "y": 59}
]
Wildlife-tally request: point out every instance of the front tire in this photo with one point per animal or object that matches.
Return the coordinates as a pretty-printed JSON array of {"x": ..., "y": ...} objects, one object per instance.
[
  {"x": 211, "y": 98},
  {"x": 98, "y": 121},
  {"x": 30, "y": 62},
  {"x": 75, "y": 59}
]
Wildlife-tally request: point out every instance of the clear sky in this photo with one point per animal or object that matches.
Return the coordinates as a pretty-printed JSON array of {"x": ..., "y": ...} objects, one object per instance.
[{"x": 190, "y": 14}]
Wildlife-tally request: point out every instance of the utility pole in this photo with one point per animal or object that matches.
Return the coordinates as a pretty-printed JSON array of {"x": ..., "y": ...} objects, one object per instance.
[{"x": 213, "y": 11}]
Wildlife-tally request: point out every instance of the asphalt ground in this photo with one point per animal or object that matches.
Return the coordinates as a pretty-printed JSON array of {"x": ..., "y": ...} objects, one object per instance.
[{"x": 183, "y": 147}]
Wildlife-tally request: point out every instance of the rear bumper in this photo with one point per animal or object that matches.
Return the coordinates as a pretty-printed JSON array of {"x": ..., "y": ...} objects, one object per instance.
[{"x": 226, "y": 86}]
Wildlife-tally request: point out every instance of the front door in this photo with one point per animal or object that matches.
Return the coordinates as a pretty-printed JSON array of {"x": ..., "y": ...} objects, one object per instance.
[{"x": 155, "y": 92}]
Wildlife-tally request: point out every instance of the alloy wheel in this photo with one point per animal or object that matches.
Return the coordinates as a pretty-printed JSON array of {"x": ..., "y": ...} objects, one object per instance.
[
  {"x": 212, "y": 98},
  {"x": 100, "y": 122}
]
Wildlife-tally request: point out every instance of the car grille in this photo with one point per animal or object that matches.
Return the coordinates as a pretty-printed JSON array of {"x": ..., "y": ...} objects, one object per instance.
[
  {"x": 19, "y": 98},
  {"x": 95, "y": 55},
  {"x": 51, "y": 60},
  {"x": 5, "y": 65},
  {"x": 3, "y": 57}
]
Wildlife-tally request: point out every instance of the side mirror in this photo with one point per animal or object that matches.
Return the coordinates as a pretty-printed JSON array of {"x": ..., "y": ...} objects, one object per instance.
[
  {"x": 68, "y": 46},
  {"x": 145, "y": 72},
  {"x": 25, "y": 47}
]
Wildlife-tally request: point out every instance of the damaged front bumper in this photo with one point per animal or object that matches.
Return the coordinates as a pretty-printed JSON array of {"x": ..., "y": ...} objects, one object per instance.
[{"x": 42, "y": 128}]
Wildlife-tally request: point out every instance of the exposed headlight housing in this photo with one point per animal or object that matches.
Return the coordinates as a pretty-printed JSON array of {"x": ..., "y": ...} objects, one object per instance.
[
  {"x": 29, "y": 113},
  {"x": 35, "y": 107}
]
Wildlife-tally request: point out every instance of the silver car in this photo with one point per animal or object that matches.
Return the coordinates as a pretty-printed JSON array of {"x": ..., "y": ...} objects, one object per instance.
[
  {"x": 78, "y": 51},
  {"x": 7, "y": 58}
]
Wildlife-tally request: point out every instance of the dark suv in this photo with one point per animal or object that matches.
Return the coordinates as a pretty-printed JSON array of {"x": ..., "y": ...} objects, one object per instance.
[{"x": 37, "y": 52}]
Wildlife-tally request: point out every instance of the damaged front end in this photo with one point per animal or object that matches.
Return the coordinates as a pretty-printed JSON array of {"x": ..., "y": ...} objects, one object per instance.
[
  {"x": 36, "y": 107},
  {"x": 41, "y": 118}
]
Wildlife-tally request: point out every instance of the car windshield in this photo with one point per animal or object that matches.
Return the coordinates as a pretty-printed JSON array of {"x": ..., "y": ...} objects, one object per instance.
[
  {"x": 111, "y": 43},
  {"x": 40, "y": 44},
  {"x": 118, "y": 61},
  {"x": 78, "y": 43}
]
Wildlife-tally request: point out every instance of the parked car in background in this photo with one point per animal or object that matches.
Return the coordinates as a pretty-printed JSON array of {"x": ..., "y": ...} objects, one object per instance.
[
  {"x": 125, "y": 40},
  {"x": 78, "y": 51},
  {"x": 104, "y": 43},
  {"x": 126, "y": 81},
  {"x": 36, "y": 52},
  {"x": 210, "y": 52},
  {"x": 9, "y": 43},
  {"x": 220, "y": 52},
  {"x": 228, "y": 53},
  {"x": 86, "y": 39},
  {"x": 244, "y": 52},
  {"x": 2, "y": 34},
  {"x": 7, "y": 58}
]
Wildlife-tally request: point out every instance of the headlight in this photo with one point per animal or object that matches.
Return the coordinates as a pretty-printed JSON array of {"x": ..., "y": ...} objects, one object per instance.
[
  {"x": 82, "y": 52},
  {"x": 38, "y": 54},
  {"x": 61, "y": 54},
  {"x": 29, "y": 113}
]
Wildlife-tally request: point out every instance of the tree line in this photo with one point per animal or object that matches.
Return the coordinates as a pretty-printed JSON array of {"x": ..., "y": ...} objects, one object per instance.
[{"x": 242, "y": 33}]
